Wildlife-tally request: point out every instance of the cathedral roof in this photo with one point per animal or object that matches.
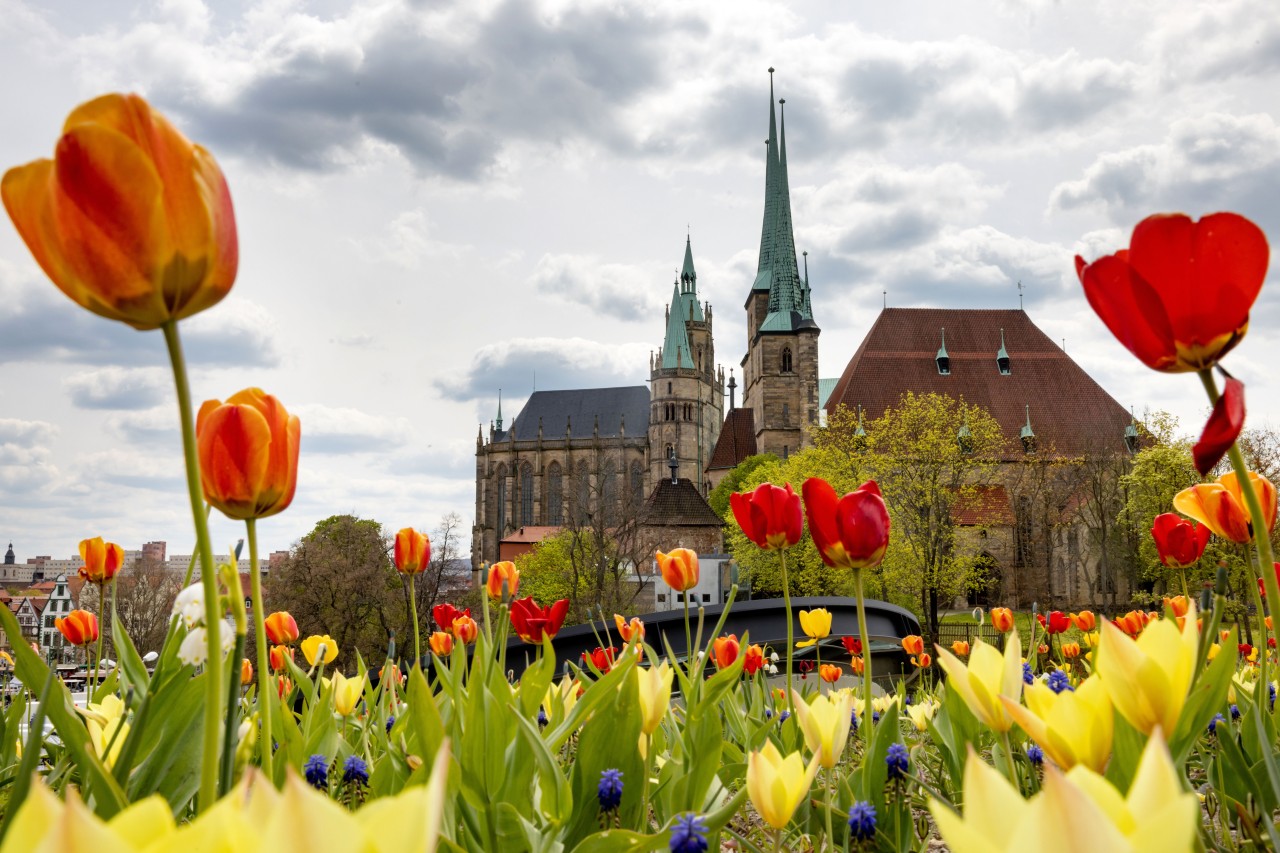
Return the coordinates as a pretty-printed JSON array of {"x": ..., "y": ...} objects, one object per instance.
[
  {"x": 584, "y": 409},
  {"x": 1072, "y": 413},
  {"x": 678, "y": 505},
  {"x": 737, "y": 440}
]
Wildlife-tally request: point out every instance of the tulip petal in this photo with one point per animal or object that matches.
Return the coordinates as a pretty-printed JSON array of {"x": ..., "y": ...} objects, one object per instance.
[
  {"x": 1131, "y": 309},
  {"x": 234, "y": 448},
  {"x": 1222, "y": 428}
]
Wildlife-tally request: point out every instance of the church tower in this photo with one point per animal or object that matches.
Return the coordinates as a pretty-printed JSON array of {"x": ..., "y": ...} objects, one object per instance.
[
  {"x": 780, "y": 369},
  {"x": 686, "y": 387}
]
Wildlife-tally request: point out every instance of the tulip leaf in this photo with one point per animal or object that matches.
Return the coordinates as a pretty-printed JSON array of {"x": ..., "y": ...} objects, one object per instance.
[
  {"x": 1268, "y": 762},
  {"x": 135, "y": 671},
  {"x": 425, "y": 717},
  {"x": 99, "y": 786},
  {"x": 1127, "y": 744},
  {"x": 620, "y": 841},
  {"x": 556, "y": 799},
  {"x": 609, "y": 740},
  {"x": 1208, "y": 696}
]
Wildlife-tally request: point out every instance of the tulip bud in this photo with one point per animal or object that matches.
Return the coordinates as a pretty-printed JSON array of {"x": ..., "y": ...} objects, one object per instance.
[{"x": 246, "y": 672}]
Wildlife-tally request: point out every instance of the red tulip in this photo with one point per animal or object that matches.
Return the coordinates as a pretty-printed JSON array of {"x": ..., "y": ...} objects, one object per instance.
[
  {"x": 412, "y": 551},
  {"x": 852, "y": 645},
  {"x": 445, "y": 614},
  {"x": 1222, "y": 428},
  {"x": 851, "y": 532},
  {"x": 130, "y": 219},
  {"x": 1180, "y": 543},
  {"x": 532, "y": 622},
  {"x": 101, "y": 560},
  {"x": 282, "y": 630},
  {"x": 279, "y": 654},
  {"x": 601, "y": 659},
  {"x": 80, "y": 627},
  {"x": 1179, "y": 297},
  {"x": 1056, "y": 623},
  {"x": 770, "y": 516},
  {"x": 1244, "y": 649},
  {"x": 248, "y": 449},
  {"x": 1262, "y": 587},
  {"x": 725, "y": 650}
]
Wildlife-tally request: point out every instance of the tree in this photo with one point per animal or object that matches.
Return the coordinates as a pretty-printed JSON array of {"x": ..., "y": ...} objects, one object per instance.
[
  {"x": 339, "y": 580},
  {"x": 434, "y": 584},
  {"x": 145, "y": 591},
  {"x": 732, "y": 482}
]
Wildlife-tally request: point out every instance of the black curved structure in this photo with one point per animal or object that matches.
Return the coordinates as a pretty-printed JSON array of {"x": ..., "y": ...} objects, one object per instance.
[{"x": 764, "y": 620}]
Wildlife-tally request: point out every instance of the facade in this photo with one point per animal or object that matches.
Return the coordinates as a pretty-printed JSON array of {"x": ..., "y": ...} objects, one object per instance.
[{"x": 58, "y": 605}]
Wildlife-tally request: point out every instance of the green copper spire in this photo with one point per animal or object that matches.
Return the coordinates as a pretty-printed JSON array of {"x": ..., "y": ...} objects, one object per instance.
[
  {"x": 675, "y": 346},
  {"x": 690, "y": 307},
  {"x": 777, "y": 272},
  {"x": 499, "y": 422},
  {"x": 688, "y": 274}
]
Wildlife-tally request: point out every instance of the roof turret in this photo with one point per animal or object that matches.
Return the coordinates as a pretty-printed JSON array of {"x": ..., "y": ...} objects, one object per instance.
[{"x": 675, "y": 346}]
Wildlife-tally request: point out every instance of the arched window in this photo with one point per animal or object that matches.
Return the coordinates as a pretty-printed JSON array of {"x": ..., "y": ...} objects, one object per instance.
[
  {"x": 554, "y": 510},
  {"x": 582, "y": 492},
  {"x": 608, "y": 477},
  {"x": 501, "y": 495},
  {"x": 668, "y": 387},
  {"x": 526, "y": 494},
  {"x": 1023, "y": 553},
  {"x": 786, "y": 359}
]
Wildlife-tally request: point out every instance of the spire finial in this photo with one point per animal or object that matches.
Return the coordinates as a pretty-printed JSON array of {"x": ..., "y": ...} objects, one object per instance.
[{"x": 499, "y": 421}]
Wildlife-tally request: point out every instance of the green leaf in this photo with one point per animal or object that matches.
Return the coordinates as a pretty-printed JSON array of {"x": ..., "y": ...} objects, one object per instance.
[
  {"x": 1208, "y": 696},
  {"x": 621, "y": 841},
  {"x": 135, "y": 671}
]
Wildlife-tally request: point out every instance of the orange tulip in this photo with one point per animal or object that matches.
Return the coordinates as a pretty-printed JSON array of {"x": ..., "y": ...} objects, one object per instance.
[
  {"x": 80, "y": 627},
  {"x": 960, "y": 649},
  {"x": 1132, "y": 622},
  {"x": 130, "y": 219},
  {"x": 284, "y": 687},
  {"x": 627, "y": 630},
  {"x": 281, "y": 628},
  {"x": 1178, "y": 605},
  {"x": 441, "y": 643},
  {"x": 412, "y": 551},
  {"x": 1220, "y": 506},
  {"x": 1002, "y": 619},
  {"x": 923, "y": 660},
  {"x": 1085, "y": 621},
  {"x": 280, "y": 654},
  {"x": 1042, "y": 649},
  {"x": 246, "y": 671},
  {"x": 858, "y": 665},
  {"x": 248, "y": 448},
  {"x": 913, "y": 644},
  {"x": 752, "y": 659},
  {"x": 679, "y": 568},
  {"x": 499, "y": 572},
  {"x": 829, "y": 673},
  {"x": 465, "y": 629},
  {"x": 725, "y": 650},
  {"x": 101, "y": 560},
  {"x": 1070, "y": 650}
]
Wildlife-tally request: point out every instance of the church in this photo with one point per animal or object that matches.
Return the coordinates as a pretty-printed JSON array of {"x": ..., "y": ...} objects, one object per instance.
[{"x": 572, "y": 457}]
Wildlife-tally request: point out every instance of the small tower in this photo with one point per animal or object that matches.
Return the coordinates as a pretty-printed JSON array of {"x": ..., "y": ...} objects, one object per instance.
[{"x": 686, "y": 390}]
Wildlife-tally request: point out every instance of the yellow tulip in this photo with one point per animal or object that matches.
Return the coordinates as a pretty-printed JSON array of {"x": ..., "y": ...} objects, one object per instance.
[
  {"x": 45, "y": 824},
  {"x": 655, "y": 695},
  {"x": 563, "y": 695},
  {"x": 776, "y": 785},
  {"x": 1071, "y": 727},
  {"x": 987, "y": 677},
  {"x": 816, "y": 624},
  {"x": 1148, "y": 678},
  {"x": 103, "y": 721},
  {"x": 312, "y": 646},
  {"x": 1158, "y": 814},
  {"x": 825, "y": 723},
  {"x": 921, "y": 713},
  {"x": 347, "y": 693}
]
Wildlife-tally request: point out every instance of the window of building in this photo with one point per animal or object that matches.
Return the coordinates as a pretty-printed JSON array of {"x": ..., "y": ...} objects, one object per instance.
[
  {"x": 1022, "y": 544},
  {"x": 786, "y": 359},
  {"x": 786, "y": 413},
  {"x": 668, "y": 387},
  {"x": 706, "y": 596},
  {"x": 637, "y": 483},
  {"x": 526, "y": 494},
  {"x": 501, "y": 495},
  {"x": 554, "y": 511},
  {"x": 662, "y": 597}
]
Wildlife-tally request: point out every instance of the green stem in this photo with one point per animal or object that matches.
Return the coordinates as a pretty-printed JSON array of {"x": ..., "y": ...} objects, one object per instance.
[
  {"x": 791, "y": 637},
  {"x": 1261, "y": 532},
  {"x": 266, "y": 683},
  {"x": 1008, "y": 757},
  {"x": 102, "y": 629},
  {"x": 644, "y": 785},
  {"x": 213, "y": 665},
  {"x": 688, "y": 636},
  {"x": 866, "y": 645},
  {"x": 831, "y": 795},
  {"x": 417, "y": 634},
  {"x": 229, "y": 733},
  {"x": 1183, "y": 573}
]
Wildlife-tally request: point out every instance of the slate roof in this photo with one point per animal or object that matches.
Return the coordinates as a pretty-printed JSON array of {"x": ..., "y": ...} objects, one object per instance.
[
  {"x": 581, "y": 406},
  {"x": 737, "y": 440},
  {"x": 678, "y": 505},
  {"x": 1069, "y": 411}
]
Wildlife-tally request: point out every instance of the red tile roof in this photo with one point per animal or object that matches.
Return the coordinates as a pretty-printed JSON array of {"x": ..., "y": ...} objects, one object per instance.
[
  {"x": 986, "y": 506},
  {"x": 530, "y": 534},
  {"x": 737, "y": 440},
  {"x": 1070, "y": 412}
]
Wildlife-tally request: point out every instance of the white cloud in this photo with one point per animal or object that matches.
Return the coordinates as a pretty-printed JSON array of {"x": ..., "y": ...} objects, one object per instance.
[
  {"x": 326, "y": 429},
  {"x": 624, "y": 291},
  {"x": 118, "y": 387}
]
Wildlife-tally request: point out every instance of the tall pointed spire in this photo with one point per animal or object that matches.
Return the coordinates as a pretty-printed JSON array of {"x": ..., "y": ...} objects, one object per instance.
[
  {"x": 778, "y": 272},
  {"x": 688, "y": 274},
  {"x": 499, "y": 421},
  {"x": 675, "y": 346},
  {"x": 690, "y": 307}
]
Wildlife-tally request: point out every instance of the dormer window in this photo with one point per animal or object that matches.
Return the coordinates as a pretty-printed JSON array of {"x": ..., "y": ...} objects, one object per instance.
[
  {"x": 1002, "y": 357},
  {"x": 943, "y": 360},
  {"x": 964, "y": 438},
  {"x": 1131, "y": 435},
  {"x": 1027, "y": 435}
]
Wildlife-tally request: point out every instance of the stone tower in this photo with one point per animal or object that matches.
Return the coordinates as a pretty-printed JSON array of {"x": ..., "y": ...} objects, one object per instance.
[
  {"x": 686, "y": 387},
  {"x": 780, "y": 369}
]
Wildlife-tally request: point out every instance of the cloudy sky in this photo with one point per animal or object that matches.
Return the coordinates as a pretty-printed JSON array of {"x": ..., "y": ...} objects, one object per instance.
[{"x": 437, "y": 200}]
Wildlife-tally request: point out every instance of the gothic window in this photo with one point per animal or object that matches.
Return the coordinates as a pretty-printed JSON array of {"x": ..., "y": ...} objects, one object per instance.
[
  {"x": 786, "y": 413},
  {"x": 786, "y": 359},
  {"x": 526, "y": 494},
  {"x": 501, "y": 490},
  {"x": 668, "y": 387},
  {"x": 608, "y": 492},
  {"x": 582, "y": 491},
  {"x": 554, "y": 512},
  {"x": 637, "y": 484},
  {"x": 1022, "y": 545}
]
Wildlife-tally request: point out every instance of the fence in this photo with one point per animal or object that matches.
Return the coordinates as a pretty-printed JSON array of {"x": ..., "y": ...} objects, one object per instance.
[{"x": 948, "y": 633}]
